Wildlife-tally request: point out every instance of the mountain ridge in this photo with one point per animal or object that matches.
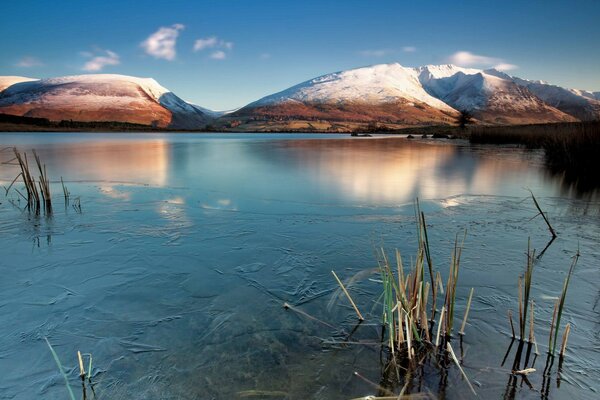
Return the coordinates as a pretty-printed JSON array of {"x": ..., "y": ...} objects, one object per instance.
[{"x": 391, "y": 95}]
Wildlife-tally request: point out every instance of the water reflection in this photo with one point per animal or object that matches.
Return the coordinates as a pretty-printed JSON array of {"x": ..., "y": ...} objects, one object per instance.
[
  {"x": 389, "y": 171},
  {"x": 176, "y": 271},
  {"x": 143, "y": 161},
  {"x": 380, "y": 171}
]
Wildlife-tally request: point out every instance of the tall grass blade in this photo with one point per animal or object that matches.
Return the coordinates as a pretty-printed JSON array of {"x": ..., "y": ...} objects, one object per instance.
[{"x": 61, "y": 369}]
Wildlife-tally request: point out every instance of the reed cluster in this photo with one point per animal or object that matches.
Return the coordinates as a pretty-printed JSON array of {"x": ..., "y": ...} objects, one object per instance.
[
  {"x": 408, "y": 315},
  {"x": 38, "y": 195},
  {"x": 414, "y": 325},
  {"x": 526, "y": 306}
]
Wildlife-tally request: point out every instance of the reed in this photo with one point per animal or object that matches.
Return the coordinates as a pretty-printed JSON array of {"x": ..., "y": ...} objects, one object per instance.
[
  {"x": 512, "y": 326},
  {"x": 449, "y": 347},
  {"x": 462, "y": 327},
  {"x": 563, "y": 346},
  {"x": 61, "y": 369},
  {"x": 360, "y": 317},
  {"x": 525, "y": 290},
  {"x": 38, "y": 192},
  {"x": 543, "y": 214},
  {"x": 561, "y": 301},
  {"x": 409, "y": 302},
  {"x": 66, "y": 192}
]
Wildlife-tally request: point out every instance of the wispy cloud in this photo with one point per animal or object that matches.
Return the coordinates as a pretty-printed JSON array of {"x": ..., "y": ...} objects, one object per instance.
[
  {"x": 29, "y": 62},
  {"x": 375, "y": 52},
  {"x": 218, "y": 55},
  {"x": 98, "y": 62},
  {"x": 385, "y": 52},
  {"x": 468, "y": 59},
  {"x": 505, "y": 67},
  {"x": 161, "y": 44},
  {"x": 201, "y": 44},
  {"x": 264, "y": 56},
  {"x": 220, "y": 46}
]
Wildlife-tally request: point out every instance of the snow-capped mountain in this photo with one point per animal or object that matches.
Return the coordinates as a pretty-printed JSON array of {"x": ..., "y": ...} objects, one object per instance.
[
  {"x": 391, "y": 93},
  {"x": 387, "y": 92},
  {"x": 6, "y": 81},
  {"x": 489, "y": 97},
  {"x": 581, "y": 104},
  {"x": 100, "y": 97}
]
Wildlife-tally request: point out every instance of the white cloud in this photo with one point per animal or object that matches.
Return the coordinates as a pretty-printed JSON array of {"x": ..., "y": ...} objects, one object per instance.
[
  {"x": 213, "y": 42},
  {"x": 29, "y": 62},
  {"x": 202, "y": 44},
  {"x": 468, "y": 59},
  {"x": 218, "y": 55},
  {"x": 374, "y": 53},
  {"x": 161, "y": 44},
  {"x": 409, "y": 49},
  {"x": 220, "y": 46},
  {"x": 99, "y": 62},
  {"x": 505, "y": 67},
  {"x": 264, "y": 56}
]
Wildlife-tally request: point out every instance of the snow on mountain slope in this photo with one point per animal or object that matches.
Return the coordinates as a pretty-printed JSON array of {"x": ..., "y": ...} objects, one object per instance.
[
  {"x": 101, "y": 97},
  {"x": 490, "y": 97},
  {"x": 581, "y": 104},
  {"x": 376, "y": 84},
  {"x": 380, "y": 93},
  {"x": 393, "y": 93},
  {"x": 578, "y": 103},
  {"x": 6, "y": 81}
]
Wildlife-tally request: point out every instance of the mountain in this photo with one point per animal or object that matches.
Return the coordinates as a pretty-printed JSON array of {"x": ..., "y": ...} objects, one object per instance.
[
  {"x": 6, "y": 81},
  {"x": 100, "y": 98},
  {"x": 384, "y": 93},
  {"x": 399, "y": 96},
  {"x": 488, "y": 97},
  {"x": 375, "y": 97}
]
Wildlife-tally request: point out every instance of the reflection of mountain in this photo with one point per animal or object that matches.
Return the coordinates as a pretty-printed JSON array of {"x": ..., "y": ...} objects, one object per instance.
[
  {"x": 387, "y": 171},
  {"x": 111, "y": 161}
]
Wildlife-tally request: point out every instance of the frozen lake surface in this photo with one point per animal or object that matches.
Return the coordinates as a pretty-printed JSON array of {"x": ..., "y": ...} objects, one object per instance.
[{"x": 175, "y": 272}]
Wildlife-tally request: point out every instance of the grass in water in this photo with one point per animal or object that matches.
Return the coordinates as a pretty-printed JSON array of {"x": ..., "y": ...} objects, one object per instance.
[
  {"x": 409, "y": 306},
  {"x": 61, "y": 369}
]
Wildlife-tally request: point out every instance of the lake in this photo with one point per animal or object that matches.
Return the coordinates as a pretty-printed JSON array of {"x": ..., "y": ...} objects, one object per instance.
[{"x": 174, "y": 272}]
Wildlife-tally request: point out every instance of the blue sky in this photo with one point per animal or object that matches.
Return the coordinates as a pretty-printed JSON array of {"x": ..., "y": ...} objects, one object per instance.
[{"x": 224, "y": 54}]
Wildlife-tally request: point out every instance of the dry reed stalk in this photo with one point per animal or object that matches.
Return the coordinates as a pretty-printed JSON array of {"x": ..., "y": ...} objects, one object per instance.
[
  {"x": 512, "y": 327},
  {"x": 288, "y": 306},
  {"x": 550, "y": 228},
  {"x": 565, "y": 338},
  {"x": 521, "y": 323},
  {"x": 43, "y": 182},
  {"x": 81, "y": 369},
  {"x": 524, "y": 372},
  {"x": 531, "y": 324},
  {"x": 439, "y": 328},
  {"x": 552, "y": 326},
  {"x": 562, "y": 299},
  {"x": 462, "y": 327},
  {"x": 375, "y": 385},
  {"x": 408, "y": 336},
  {"x": 449, "y": 347},
  {"x": 360, "y": 317}
]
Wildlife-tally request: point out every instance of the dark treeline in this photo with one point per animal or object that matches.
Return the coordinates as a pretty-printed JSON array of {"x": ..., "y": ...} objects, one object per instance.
[
  {"x": 72, "y": 125},
  {"x": 571, "y": 149}
]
